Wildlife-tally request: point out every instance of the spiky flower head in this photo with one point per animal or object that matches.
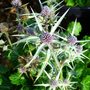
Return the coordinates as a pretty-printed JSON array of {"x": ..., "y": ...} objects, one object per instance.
[
  {"x": 46, "y": 11},
  {"x": 19, "y": 27},
  {"x": 22, "y": 70},
  {"x": 79, "y": 48},
  {"x": 66, "y": 82},
  {"x": 16, "y": 3},
  {"x": 54, "y": 83},
  {"x": 30, "y": 31},
  {"x": 72, "y": 40},
  {"x": 46, "y": 38}
]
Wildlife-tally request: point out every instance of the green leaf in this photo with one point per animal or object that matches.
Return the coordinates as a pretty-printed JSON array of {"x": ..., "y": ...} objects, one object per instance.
[
  {"x": 3, "y": 69},
  {"x": 79, "y": 72},
  {"x": 86, "y": 83},
  {"x": 88, "y": 44},
  {"x": 25, "y": 88},
  {"x": 31, "y": 47},
  {"x": 3, "y": 87},
  {"x": 27, "y": 39},
  {"x": 39, "y": 24},
  {"x": 81, "y": 2},
  {"x": 77, "y": 30},
  {"x": 17, "y": 79},
  {"x": 70, "y": 2},
  {"x": 1, "y": 80}
]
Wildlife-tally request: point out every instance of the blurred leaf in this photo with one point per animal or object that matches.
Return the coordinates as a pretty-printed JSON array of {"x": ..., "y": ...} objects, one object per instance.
[
  {"x": 77, "y": 30},
  {"x": 17, "y": 79},
  {"x": 25, "y": 88},
  {"x": 79, "y": 72},
  {"x": 3, "y": 87},
  {"x": 86, "y": 83},
  {"x": 3, "y": 69},
  {"x": 81, "y": 2},
  {"x": 70, "y": 2},
  {"x": 5, "y": 83},
  {"x": 1, "y": 42},
  {"x": 1, "y": 80},
  {"x": 88, "y": 3},
  {"x": 77, "y": 2},
  {"x": 1, "y": 34},
  {"x": 5, "y": 48},
  {"x": 88, "y": 43},
  {"x": 31, "y": 47}
]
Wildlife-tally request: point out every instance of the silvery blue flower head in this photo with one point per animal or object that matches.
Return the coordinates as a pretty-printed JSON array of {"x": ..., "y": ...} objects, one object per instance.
[
  {"x": 72, "y": 40},
  {"x": 79, "y": 48},
  {"x": 54, "y": 83},
  {"x": 19, "y": 27},
  {"x": 46, "y": 11},
  {"x": 22, "y": 70},
  {"x": 30, "y": 31},
  {"x": 16, "y": 3},
  {"x": 46, "y": 38}
]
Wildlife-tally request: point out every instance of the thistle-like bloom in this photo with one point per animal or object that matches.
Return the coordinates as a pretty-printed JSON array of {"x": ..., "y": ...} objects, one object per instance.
[
  {"x": 22, "y": 70},
  {"x": 79, "y": 48},
  {"x": 58, "y": 83},
  {"x": 46, "y": 11},
  {"x": 46, "y": 38},
  {"x": 19, "y": 27},
  {"x": 54, "y": 83},
  {"x": 30, "y": 31},
  {"x": 72, "y": 40},
  {"x": 16, "y": 3}
]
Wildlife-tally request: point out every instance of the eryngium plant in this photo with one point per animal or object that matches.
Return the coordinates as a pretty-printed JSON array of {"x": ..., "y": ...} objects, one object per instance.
[{"x": 56, "y": 55}]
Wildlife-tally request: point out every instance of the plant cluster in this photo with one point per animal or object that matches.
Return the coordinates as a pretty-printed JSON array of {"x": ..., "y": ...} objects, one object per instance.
[{"x": 45, "y": 55}]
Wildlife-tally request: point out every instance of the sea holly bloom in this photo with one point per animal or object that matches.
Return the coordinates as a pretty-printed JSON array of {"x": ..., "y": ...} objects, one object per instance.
[
  {"x": 79, "y": 48},
  {"x": 46, "y": 38},
  {"x": 49, "y": 13},
  {"x": 54, "y": 83},
  {"x": 57, "y": 82},
  {"x": 20, "y": 27},
  {"x": 16, "y": 3},
  {"x": 30, "y": 31},
  {"x": 22, "y": 70},
  {"x": 46, "y": 11},
  {"x": 72, "y": 40}
]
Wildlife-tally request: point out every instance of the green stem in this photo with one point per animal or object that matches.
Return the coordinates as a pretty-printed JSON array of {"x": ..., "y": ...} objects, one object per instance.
[
  {"x": 29, "y": 51},
  {"x": 18, "y": 15},
  {"x": 9, "y": 41},
  {"x": 35, "y": 55}
]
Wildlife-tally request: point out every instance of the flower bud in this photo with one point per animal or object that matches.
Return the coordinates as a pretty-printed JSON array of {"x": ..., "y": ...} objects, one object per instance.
[
  {"x": 46, "y": 38},
  {"x": 79, "y": 48},
  {"x": 30, "y": 31},
  {"x": 53, "y": 83},
  {"x": 72, "y": 40},
  {"x": 16, "y": 3},
  {"x": 46, "y": 11},
  {"x": 19, "y": 27},
  {"x": 22, "y": 70}
]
